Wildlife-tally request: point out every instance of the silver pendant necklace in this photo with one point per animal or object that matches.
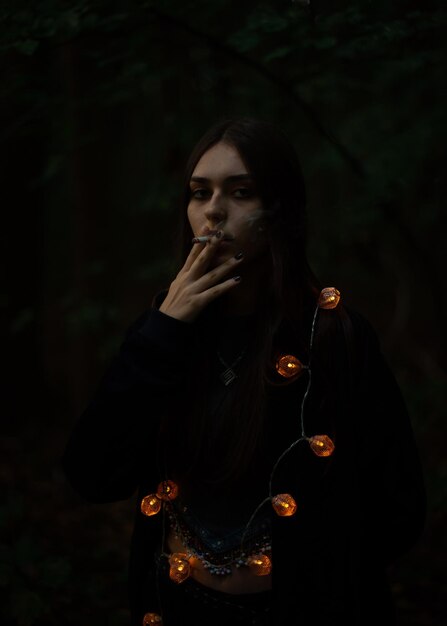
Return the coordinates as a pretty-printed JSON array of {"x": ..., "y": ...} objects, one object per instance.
[{"x": 228, "y": 375}]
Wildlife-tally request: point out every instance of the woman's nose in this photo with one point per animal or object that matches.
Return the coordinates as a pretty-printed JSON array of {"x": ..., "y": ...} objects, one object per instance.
[{"x": 215, "y": 210}]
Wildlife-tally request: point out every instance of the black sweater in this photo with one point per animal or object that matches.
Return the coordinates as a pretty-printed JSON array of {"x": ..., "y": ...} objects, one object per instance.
[{"x": 358, "y": 509}]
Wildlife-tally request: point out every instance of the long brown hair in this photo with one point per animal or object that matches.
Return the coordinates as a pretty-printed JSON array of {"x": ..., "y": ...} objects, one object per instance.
[
  {"x": 289, "y": 304},
  {"x": 272, "y": 161}
]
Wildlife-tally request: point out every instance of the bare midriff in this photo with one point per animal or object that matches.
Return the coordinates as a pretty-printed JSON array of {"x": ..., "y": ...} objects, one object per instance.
[{"x": 241, "y": 579}]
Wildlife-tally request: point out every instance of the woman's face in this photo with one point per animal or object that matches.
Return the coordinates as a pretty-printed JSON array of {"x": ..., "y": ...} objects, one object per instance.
[{"x": 224, "y": 197}]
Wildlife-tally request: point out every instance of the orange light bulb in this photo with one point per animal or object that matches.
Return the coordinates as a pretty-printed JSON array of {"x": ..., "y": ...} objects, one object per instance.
[
  {"x": 321, "y": 445},
  {"x": 329, "y": 298},
  {"x": 260, "y": 564},
  {"x": 151, "y": 618},
  {"x": 180, "y": 569},
  {"x": 284, "y": 505},
  {"x": 167, "y": 490},
  {"x": 150, "y": 505},
  {"x": 289, "y": 366}
]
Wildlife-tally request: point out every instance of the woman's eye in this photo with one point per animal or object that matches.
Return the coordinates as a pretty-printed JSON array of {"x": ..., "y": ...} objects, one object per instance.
[
  {"x": 243, "y": 192},
  {"x": 240, "y": 192},
  {"x": 199, "y": 194}
]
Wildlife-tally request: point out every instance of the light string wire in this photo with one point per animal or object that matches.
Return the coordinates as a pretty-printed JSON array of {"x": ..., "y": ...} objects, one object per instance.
[
  {"x": 309, "y": 369},
  {"x": 303, "y": 437}
]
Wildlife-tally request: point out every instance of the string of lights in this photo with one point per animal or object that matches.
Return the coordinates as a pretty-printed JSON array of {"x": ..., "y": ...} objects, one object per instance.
[{"x": 284, "y": 504}]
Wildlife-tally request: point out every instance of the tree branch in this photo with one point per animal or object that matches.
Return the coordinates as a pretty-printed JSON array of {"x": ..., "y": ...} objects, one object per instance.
[{"x": 288, "y": 89}]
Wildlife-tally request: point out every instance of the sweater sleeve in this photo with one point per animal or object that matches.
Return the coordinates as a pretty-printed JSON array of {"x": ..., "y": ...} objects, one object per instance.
[
  {"x": 113, "y": 444},
  {"x": 393, "y": 491}
]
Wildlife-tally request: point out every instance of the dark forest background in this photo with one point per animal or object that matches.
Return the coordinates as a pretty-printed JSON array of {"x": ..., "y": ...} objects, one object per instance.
[{"x": 101, "y": 103}]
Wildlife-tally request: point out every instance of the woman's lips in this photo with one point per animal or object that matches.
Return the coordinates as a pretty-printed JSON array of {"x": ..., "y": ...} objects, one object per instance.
[
  {"x": 206, "y": 232},
  {"x": 206, "y": 239}
]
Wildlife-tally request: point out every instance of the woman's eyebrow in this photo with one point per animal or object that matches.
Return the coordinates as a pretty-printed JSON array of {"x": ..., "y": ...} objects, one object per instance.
[{"x": 228, "y": 179}]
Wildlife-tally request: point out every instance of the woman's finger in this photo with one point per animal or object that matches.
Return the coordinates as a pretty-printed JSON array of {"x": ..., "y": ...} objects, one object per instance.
[
  {"x": 196, "y": 249},
  {"x": 204, "y": 245},
  {"x": 201, "y": 262},
  {"x": 215, "y": 275},
  {"x": 207, "y": 296}
]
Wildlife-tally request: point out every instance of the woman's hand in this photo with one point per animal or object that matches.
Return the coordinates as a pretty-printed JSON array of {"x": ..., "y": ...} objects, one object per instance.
[{"x": 194, "y": 287}]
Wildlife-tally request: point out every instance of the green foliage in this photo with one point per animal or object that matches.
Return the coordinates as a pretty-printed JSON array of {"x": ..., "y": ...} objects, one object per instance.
[
  {"x": 26, "y": 607},
  {"x": 55, "y": 572},
  {"x": 88, "y": 317},
  {"x": 39, "y": 580},
  {"x": 23, "y": 319}
]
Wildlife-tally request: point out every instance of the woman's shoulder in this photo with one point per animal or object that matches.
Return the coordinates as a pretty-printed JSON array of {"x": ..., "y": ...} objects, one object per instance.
[
  {"x": 349, "y": 336},
  {"x": 340, "y": 323},
  {"x": 360, "y": 323},
  {"x": 362, "y": 342}
]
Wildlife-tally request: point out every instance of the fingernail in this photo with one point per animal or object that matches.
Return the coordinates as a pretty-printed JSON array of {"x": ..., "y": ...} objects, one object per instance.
[
  {"x": 239, "y": 255},
  {"x": 236, "y": 279}
]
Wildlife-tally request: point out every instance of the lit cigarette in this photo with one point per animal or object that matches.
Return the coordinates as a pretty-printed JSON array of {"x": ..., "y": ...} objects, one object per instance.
[{"x": 203, "y": 239}]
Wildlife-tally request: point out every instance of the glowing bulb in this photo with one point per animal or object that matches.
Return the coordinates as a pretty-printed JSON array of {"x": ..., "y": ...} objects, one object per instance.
[
  {"x": 288, "y": 366},
  {"x": 180, "y": 569},
  {"x": 284, "y": 504},
  {"x": 150, "y": 505},
  {"x": 260, "y": 564},
  {"x": 167, "y": 490},
  {"x": 151, "y": 618},
  {"x": 321, "y": 445},
  {"x": 329, "y": 298}
]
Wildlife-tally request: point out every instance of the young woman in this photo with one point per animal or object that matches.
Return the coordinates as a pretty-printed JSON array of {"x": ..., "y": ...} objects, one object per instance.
[{"x": 275, "y": 464}]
